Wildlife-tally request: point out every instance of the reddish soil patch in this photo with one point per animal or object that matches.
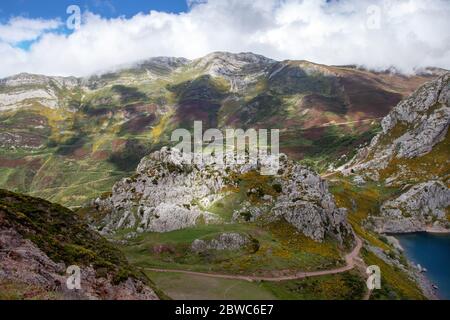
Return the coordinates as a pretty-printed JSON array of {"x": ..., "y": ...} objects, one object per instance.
[
  {"x": 368, "y": 96},
  {"x": 47, "y": 181},
  {"x": 11, "y": 163},
  {"x": 139, "y": 123},
  {"x": 80, "y": 153},
  {"x": 162, "y": 248},
  {"x": 325, "y": 104},
  {"x": 33, "y": 163},
  {"x": 118, "y": 145},
  {"x": 100, "y": 155},
  {"x": 198, "y": 110},
  {"x": 293, "y": 152},
  {"x": 314, "y": 133}
]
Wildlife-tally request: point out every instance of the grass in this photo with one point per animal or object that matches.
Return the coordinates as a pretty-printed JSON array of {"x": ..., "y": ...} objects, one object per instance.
[
  {"x": 360, "y": 202},
  {"x": 24, "y": 291},
  {"x": 331, "y": 145},
  {"x": 281, "y": 247},
  {"x": 192, "y": 287},
  {"x": 343, "y": 286},
  {"x": 58, "y": 232},
  {"x": 224, "y": 208},
  {"x": 394, "y": 283}
]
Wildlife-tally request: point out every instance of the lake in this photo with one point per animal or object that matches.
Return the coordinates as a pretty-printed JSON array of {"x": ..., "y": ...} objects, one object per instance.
[{"x": 431, "y": 251}]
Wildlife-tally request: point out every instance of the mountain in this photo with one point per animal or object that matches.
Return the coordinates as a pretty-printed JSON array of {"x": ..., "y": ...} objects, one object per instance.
[
  {"x": 399, "y": 183},
  {"x": 227, "y": 219},
  {"x": 39, "y": 240},
  {"x": 102, "y": 146},
  {"x": 66, "y": 139},
  {"x": 412, "y": 154}
]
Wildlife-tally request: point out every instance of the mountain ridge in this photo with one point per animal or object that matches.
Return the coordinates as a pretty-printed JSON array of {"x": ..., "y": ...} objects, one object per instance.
[
  {"x": 182, "y": 61},
  {"x": 105, "y": 124}
]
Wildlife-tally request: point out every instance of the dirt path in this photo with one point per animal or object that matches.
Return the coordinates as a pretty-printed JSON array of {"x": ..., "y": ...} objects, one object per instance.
[
  {"x": 333, "y": 123},
  {"x": 349, "y": 260}
]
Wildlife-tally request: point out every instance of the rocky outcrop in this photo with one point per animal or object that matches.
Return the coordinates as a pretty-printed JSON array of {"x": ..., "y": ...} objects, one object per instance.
[
  {"x": 21, "y": 261},
  {"x": 27, "y": 90},
  {"x": 168, "y": 192},
  {"x": 421, "y": 207},
  {"x": 225, "y": 241},
  {"x": 40, "y": 240},
  {"x": 306, "y": 203},
  {"x": 410, "y": 130},
  {"x": 416, "y": 127},
  {"x": 241, "y": 70}
]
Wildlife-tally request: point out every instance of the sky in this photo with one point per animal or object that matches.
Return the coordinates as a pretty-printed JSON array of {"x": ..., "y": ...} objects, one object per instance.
[{"x": 79, "y": 38}]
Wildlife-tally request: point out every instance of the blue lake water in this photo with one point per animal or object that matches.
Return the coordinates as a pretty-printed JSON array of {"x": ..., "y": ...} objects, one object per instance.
[{"x": 431, "y": 251}]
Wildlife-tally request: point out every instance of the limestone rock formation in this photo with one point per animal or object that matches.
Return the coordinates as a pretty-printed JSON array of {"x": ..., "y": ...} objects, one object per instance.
[
  {"x": 225, "y": 241},
  {"x": 423, "y": 206},
  {"x": 411, "y": 153},
  {"x": 169, "y": 192},
  {"x": 410, "y": 130}
]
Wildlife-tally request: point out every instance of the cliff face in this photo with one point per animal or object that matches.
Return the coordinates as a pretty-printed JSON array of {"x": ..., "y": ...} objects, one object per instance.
[
  {"x": 411, "y": 153},
  {"x": 410, "y": 130},
  {"x": 169, "y": 193},
  {"x": 423, "y": 206},
  {"x": 39, "y": 240}
]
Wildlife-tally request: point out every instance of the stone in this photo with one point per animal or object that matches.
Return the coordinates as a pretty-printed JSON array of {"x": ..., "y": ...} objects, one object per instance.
[
  {"x": 168, "y": 193},
  {"x": 422, "y": 206}
]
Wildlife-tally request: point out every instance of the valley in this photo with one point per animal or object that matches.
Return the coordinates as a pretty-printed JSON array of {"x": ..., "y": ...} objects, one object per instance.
[
  {"x": 68, "y": 139},
  {"x": 364, "y": 155}
]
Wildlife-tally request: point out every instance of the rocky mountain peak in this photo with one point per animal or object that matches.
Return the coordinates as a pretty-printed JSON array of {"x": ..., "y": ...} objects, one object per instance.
[
  {"x": 241, "y": 69},
  {"x": 28, "y": 79}
]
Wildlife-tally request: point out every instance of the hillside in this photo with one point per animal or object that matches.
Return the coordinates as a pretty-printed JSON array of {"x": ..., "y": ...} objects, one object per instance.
[
  {"x": 411, "y": 154},
  {"x": 229, "y": 218},
  {"x": 66, "y": 139},
  {"x": 39, "y": 240},
  {"x": 400, "y": 183},
  {"x": 206, "y": 223}
]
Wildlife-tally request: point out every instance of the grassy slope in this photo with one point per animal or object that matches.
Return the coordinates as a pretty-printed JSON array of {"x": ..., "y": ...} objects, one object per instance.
[
  {"x": 342, "y": 286},
  {"x": 188, "y": 287},
  {"x": 24, "y": 291},
  {"x": 88, "y": 150},
  {"x": 360, "y": 202},
  {"x": 191, "y": 287},
  {"x": 279, "y": 247},
  {"x": 429, "y": 166},
  {"x": 63, "y": 237}
]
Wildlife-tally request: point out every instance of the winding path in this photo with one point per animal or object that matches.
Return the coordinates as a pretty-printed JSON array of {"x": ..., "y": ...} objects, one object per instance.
[{"x": 349, "y": 260}]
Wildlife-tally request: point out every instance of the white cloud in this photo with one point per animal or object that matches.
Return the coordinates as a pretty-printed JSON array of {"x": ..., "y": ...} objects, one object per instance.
[
  {"x": 411, "y": 34},
  {"x": 22, "y": 29}
]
